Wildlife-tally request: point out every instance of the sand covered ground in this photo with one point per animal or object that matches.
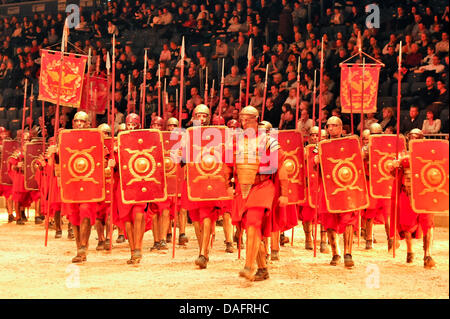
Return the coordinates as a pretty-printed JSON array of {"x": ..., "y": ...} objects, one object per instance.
[{"x": 30, "y": 270}]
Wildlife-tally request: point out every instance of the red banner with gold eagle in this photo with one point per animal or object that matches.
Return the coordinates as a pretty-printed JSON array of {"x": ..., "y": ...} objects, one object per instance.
[
  {"x": 352, "y": 86},
  {"x": 71, "y": 82},
  {"x": 95, "y": 94}
]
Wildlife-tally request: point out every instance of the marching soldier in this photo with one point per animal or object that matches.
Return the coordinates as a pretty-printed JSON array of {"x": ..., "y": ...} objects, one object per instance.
[
  {"x": 255, "y": 191},
  {"x": 307, "y": 213},
  {"x": 161, "y": 211},
  {"x": 6, "y": 190},
  {"x": 336, "y": 223},
  {"x": 20, "y": 196},
  {"x": 409, "y": 223},
  {"x": 81, "y": 216},
  {"x": 172, "y": 124},
  {"x": 133, "y": 216},
  {"x": 102, "y": 222},
  {"x": 378, "y": 207}
]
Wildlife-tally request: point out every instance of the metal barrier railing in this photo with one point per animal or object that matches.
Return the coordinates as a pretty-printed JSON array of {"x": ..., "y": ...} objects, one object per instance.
[{"x": 437, "y": 136}]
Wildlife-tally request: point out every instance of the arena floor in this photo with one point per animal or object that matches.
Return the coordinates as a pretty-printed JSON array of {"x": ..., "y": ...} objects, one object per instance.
[{"x": 29, "y": 270}]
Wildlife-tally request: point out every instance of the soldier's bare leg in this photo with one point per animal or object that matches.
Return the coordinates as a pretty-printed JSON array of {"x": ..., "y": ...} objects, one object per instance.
[
  {"x": 206, "y": 237},
  {"x": 409, "y": 251},
  {"x": 228, "y": 231},
  {"x": 274, "y": 245},
  {"x": 253, "y": 243},
  {"x": 261, "y": 273},
  {"x": 155, "y": 231},
  {"x": 164, "y": 224},
  {"x": 363, "y": 226},
  {"x": 17, "y": 208},
  {"x": 333, "y": 238},
  {"x": 107, "y": 227},
  {"x": 9, "y": 208},
  {"x": 182, "y": 239},
  {"x": 198, "y": 233},
  {"x": 348, "y": 241},
  {"x": 369, "y": 233},
  {"x": 57, "y": 219},
  {"x": 307, "y": 227},
  {"x": 101, "y": 234},
  {"x": 130, "y": 236},
  {"x": 323, "y": 240},
  {"x": 428, "y": 261},
  {"x": 265, "y": 243},
  {"x": 138, "y": 230}
]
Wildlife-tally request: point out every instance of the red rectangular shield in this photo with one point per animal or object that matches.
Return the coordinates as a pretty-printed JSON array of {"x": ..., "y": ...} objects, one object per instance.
[
  {"x": 311, "y": 170},
  {"x": 429, "y": 176},
  {"x": 172, "y": 156},
  {"x": 82, "y": 164},
  {"x": 382, "y": 151},
  {"x": 95, "y": 94},
  {"x": 291, "y": 143},
  {"x": 32, "y": 152},
  {"x": 141, "y": 166},
  {"x": 343, "y": 174},
  {"x": 206, "y": 167},
  {"x": 352, "y": 88},
  {"x": 8, "y": 147}
]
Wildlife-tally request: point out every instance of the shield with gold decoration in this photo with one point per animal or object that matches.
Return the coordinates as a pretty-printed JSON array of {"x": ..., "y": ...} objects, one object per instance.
[
  {"x": 8, "y": 148},
  {"x": 382, "y": 152},
  {"x": 82, "y": 164},
  {"x": 343, "y": 174},
  {"x": 32, "y": 152},
  {"x": 291, "y": 143},
  {"x": 172, "y": 158},
  {"x": 205, "y": 161},
  {"x": 312, "y": 170},
  {"x": 141, "y": 166},
  {"x": 429, "y": 175}
]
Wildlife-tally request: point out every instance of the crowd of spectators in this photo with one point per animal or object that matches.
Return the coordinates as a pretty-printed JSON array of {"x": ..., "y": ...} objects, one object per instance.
[{"x": 217, "y": 36}]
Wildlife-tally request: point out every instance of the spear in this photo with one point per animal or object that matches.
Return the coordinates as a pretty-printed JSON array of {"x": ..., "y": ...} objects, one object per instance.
[
  {"x": 31, "y": 109},
  {"x": 159, "y": 90},
  {"x": 350, "y": 94},
  {"x": 179, "y": 127},
  {"x": 89, "y": 91},
  {"x": 265, "y": 92},
  {"x": 319, "y": 139},
  {"x": 143, "y": 91},
  {"x": 249, "y": 71},
  {"x": 397, "y": 145},
  {"x": 23, "y": 109},
  {"x": 112, "y": 138},
  {"x": 129, "y": 94},
  {"x": 314, "y": 100},
  {"x": 361, "y": 130},
  {"x": 206, "y": 87},
  {"x": 222, "y": 82},
  {"x": 108, "y": 67},
  {"x": 298, "y": 91},
  {"x": 212, "y": 92}
]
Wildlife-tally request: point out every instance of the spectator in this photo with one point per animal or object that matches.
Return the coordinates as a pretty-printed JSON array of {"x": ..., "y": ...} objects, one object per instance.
[
  {"x": 288, "y": 120},
  {"x": 388, "y": 117},
  {"x": 442, "y": 46},
  {"x": 431, "y": 125},
  {"x": 428, "y": 94},
  {"x": 304, "y": 124},
  {"x": 411, "y": 121}
]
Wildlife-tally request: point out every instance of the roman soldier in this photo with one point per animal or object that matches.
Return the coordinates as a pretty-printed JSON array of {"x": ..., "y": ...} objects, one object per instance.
[
  {"x": 202, "y": 213},
  {"x": 307, "y": 213},
  {"x": 171, "y": 125},
  {"x": 20, "y": 196},
  {"x": 132, "y": 216},
  {"x": 102, "y": 222},
  {"x": 255, "y": 190},
  {"x": 378, "y": 210},
  {"x": 337, "y": 223},
  {"x": 409, "y": 223},
  {"x": 81, "y": 215},
  {"x": 6, "y": 189},
  {"x": 161, "y": 211}
]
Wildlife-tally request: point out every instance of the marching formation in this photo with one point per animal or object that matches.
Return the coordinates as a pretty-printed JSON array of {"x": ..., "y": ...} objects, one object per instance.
[{"x": 260, "y": 180}]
